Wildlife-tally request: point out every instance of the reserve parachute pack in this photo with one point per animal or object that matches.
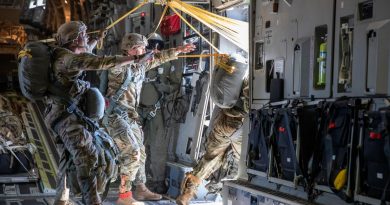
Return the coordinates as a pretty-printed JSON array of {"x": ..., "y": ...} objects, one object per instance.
[
  {"x": 226, "y": 81},
  {"x": 33, "y": 70}
]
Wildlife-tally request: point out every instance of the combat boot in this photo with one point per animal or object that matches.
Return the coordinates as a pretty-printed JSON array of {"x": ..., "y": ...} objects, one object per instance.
[
  {"x": 189, "y": 185},
  {"x": 127, "y": 199},
  {"x": 142, "y": 193}
]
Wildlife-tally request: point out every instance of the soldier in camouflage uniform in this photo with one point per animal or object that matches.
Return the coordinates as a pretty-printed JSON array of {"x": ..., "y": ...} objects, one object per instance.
[
  {"x": 122, "y": 119},
  {"x": 69, "y": 63},
  {"x": 225, "y": 125}
]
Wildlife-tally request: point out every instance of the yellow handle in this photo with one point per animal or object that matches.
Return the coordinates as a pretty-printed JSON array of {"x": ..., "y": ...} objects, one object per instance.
[
  {"x": 23, "y": 53},
  {"x": 340, "y": 179}
]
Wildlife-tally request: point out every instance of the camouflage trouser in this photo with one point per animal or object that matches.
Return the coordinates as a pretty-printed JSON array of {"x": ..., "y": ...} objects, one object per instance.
[
  {"x": 78, "y": 142},
  {"x": 128, "y": 136},
  {"x": 225, "y": 134}
]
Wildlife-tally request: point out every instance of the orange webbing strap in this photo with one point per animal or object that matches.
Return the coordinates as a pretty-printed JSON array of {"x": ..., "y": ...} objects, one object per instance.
[
  {"x": 202, "y": 55},
  {"x": 220, "y": 60}
]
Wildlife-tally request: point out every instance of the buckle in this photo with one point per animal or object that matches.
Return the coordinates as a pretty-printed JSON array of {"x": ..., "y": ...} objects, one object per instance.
[
  {"x": 123, "y": 87},
  {"x": 115, "y": 98},
  {"x": 148, "y": 80},
  {"x": 71, "y": 107},
  {"x": 157, "y": 105}
]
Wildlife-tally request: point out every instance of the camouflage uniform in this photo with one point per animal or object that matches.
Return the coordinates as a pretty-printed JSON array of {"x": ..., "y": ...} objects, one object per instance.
[
  {"x": 77, "y": 140},
  {"x": 123, "y": 124}
]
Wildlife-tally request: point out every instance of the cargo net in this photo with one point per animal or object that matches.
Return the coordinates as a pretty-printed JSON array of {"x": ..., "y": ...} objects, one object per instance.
[{"x": 15, "y": 151}]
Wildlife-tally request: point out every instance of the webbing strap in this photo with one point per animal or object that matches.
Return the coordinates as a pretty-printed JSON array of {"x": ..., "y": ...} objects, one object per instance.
[
  {"x": 255, "y": 129},
  {"x": 203, "y": 55},
  {"x": 161, "y": 18},
  {"x": 115, "y": 98},
  {"x": 72, "y": 107},
  {"x": 290, "y": 141}
]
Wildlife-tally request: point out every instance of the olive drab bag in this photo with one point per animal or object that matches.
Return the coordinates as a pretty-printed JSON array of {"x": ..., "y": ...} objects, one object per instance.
[
  {"x": 107, "y": 165},
  {"x": 34, "y": 70}
]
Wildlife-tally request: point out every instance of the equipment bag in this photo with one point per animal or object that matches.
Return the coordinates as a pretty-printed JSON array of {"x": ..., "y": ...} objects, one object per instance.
[
  {"x": 375, "y": 169},
  {"x": 170, "y": 25},
  {"x": 259, "y": 140},
  {"x": 33, "y": 70},
  {"x": 107, "y": 168},
  {"x": 285, "y": 133}
]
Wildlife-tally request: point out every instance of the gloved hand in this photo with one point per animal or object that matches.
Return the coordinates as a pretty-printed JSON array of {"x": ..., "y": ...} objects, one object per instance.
[
  {"x": 185, "y": 48},
  {"x": 146, "y": 58},
  {"x": 94, "y": 41},
  {"x": 102, "y": 34}
]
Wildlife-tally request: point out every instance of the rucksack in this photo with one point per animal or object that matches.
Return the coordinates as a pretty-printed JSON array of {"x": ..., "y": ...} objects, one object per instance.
[
  {"x": 107, "y": 165},
  {"x": 33, "y": 70}
]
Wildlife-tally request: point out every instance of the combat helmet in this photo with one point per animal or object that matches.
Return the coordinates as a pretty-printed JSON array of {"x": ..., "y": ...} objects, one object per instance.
[
  {"x": 155, "y": 41},
  {"x": 69, "y": 32},
  {"x": 133, "y": 39}
]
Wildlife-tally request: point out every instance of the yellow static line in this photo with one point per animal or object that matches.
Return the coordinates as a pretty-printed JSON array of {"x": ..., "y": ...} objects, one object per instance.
[
  {"x": 196, "y": 31},
  {"x": 162, "y": 17},
  {"x": 202, "y": 55}
]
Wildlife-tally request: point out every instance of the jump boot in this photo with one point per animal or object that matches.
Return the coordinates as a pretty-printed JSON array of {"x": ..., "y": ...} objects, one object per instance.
[
  {"x": 127, "y": 199},
  {"x": 125, "y": 195},
  {"x": 189, "y": 186},
  {"x": 142, "y": 193}
]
